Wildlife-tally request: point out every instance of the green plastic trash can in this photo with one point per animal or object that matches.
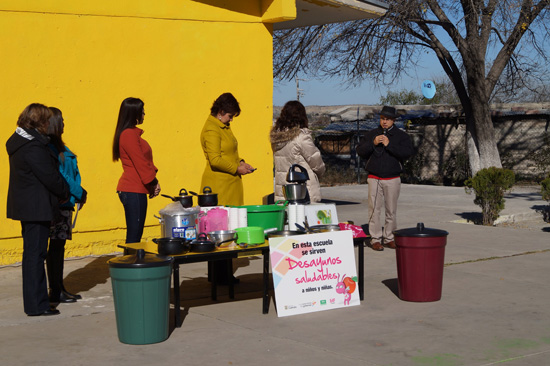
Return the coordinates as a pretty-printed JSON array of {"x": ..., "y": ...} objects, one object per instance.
[{"x": 141, "y": 293}]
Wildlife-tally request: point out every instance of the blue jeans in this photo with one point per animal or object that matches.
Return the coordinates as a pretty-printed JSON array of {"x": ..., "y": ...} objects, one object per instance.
[{"x": 135, "y": 209}]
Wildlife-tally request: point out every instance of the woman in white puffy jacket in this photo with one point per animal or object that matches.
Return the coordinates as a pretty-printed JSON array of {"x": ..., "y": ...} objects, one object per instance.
[{"x": 292, "y": 143}]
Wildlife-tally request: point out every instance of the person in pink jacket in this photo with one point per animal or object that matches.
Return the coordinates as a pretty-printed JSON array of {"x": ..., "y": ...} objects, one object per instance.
[{"x": 292, "y": 143}]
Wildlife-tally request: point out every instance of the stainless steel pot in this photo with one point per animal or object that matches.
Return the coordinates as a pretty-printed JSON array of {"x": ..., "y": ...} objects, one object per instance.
[
  {"x": 324, "y": 228},
  {"x": 178, "y": 222},
  {"x": 284, "y": 233},
  {"x": 317, "y": 228},
  {"x": 295, "y": 192}
]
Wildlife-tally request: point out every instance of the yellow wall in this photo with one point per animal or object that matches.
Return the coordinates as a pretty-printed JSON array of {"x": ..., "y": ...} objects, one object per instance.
[{"x": 176, "y": 55}]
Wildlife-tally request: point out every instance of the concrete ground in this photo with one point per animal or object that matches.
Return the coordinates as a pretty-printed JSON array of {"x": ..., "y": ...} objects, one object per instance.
[{"x": 493, "y": 310}]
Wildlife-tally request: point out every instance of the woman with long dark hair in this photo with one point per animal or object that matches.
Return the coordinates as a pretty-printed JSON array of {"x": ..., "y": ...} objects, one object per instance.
[
  {"x": 35, "y": 189},
  {"x": 292, "y": 143},
  {"x": 139, "y": 176},
  {"x": 61, "y": 229}
]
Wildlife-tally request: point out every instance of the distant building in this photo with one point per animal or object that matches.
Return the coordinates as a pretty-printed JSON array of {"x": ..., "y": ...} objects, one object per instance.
[{"x": 439, "y": 136}]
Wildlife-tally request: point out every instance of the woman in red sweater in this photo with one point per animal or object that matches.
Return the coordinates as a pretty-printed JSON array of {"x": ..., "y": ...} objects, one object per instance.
[{"x": 139, "y": 177}]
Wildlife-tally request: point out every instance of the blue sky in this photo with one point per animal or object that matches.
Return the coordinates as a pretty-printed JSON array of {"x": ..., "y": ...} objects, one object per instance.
[{"x": 335, "y": 92}]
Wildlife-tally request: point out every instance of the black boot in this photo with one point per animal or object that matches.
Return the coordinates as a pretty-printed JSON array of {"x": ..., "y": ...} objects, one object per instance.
[
  {"x": 54, "y": 266},
  {"x": 68, "y": 294},
  {"x": 60, "y": 297}
]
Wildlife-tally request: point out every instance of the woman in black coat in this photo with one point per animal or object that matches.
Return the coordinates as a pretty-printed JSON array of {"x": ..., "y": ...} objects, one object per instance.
[{"x": 36, "y": 188}]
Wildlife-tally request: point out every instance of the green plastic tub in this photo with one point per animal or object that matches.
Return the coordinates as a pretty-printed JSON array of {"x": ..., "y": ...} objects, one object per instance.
[{"x": 266, "y": 216}]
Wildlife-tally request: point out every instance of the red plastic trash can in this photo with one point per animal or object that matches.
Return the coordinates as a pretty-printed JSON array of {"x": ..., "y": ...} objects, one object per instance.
[{"x": 420, "y": 255}]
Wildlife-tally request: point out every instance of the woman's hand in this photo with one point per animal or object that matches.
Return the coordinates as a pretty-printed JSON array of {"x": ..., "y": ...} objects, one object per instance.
[
  {"x": 245, "y": 168},
  {"x": 83, "y": 198},
  {"x": 156, "y": 191}
]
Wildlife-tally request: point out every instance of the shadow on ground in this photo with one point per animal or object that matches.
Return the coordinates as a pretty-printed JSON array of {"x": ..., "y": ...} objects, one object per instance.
[
  {"x": 392, "y": 284},
  {"x": 197, "y": 291},
  {"x": 527, "y": 196},
  {"x": 544, "y": 210},
  {"x": 340, "y": 203},
  {"x": 475, "y": 217},
  {"x": 94, "y": 273}
]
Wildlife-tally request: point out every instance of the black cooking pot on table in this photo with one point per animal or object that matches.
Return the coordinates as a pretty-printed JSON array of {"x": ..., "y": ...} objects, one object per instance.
[
  {"x": 172, "y": 246},
  {"x": 207, "y": 198},
  {"x": 202, "y": 244},
  {"x": 184, "y": 198}
]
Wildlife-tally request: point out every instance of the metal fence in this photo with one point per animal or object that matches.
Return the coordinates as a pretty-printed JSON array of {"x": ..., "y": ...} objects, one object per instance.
[{"x": 441, "y": 154}]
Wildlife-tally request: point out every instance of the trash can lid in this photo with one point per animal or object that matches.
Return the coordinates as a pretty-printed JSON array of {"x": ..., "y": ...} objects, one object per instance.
[
  {"x": 420, "y": 231},
  {"x": 140, "y": 260}
]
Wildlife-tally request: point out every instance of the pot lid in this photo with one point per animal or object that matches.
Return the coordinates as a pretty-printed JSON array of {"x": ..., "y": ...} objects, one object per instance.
[
  {"x": 202, "y": 239},
  {"x": 175, "y": 208},
  {"x": 139, "y": 260},
  {"x": 183, "y": 193},
  {"x": 207, "y": 191},
  {"x": 169, "y": 240},
  {"x": 420, "y": 231}
]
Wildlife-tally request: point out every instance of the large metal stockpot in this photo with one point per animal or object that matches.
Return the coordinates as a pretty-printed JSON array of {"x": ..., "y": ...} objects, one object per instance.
[{"x": 179, "y": 222}]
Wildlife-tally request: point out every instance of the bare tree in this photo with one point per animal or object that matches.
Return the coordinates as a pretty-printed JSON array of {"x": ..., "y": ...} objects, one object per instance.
[{"x": 475, "y": 41}]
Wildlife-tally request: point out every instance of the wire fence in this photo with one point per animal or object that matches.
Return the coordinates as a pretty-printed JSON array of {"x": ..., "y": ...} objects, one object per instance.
[{"x": 441, "y": 154}]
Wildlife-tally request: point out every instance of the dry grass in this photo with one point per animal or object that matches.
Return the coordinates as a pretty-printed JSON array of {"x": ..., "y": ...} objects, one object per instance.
[{"x": 337, "y": 174}]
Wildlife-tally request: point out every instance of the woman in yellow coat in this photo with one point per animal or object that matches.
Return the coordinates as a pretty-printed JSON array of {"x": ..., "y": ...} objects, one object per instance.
[{"x": 224, "y": 167}]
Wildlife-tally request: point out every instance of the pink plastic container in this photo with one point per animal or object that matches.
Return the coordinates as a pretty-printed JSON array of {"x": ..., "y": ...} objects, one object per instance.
[{"x": 213, "y": 220}]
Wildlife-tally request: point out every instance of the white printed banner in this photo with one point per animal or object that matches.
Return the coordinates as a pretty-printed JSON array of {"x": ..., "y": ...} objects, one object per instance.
[{"x": 314, "y": 272}]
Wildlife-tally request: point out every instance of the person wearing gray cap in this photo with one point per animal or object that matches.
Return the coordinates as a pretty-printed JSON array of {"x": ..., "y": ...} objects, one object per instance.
[{"x": 385, "y": 149}]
